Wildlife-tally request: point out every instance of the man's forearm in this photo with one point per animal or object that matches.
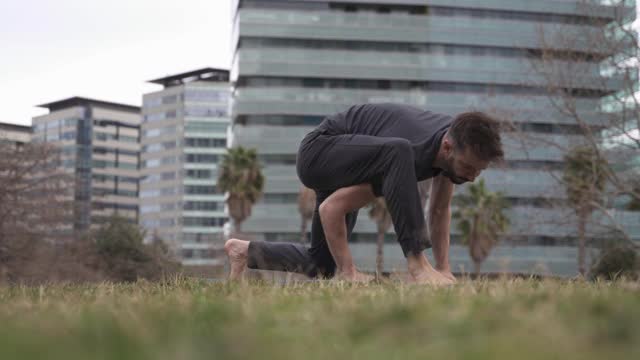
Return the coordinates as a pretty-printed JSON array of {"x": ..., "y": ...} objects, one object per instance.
[{"x": 439, "y": 223}]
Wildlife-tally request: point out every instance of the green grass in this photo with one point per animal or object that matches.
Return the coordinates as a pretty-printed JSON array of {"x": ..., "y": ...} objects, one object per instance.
[{"x": 191, "y": 319}]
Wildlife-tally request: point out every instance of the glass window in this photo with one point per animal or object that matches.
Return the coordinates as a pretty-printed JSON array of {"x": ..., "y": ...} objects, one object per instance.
[
  {"x": 199, "y": 237},
  {"x": 206, "y": 142},
  {"x": 102, "y": 164},
  {"x": 202, "y": 126},
  {"x": 202, "y": 221},
  {"x": 151, "y": 163},
  {"x": 168, "y": 191},
  {"x": 280, "y": 198},
  {"x": 153, "y": 223},
  {"x": 203, "y": 205},
  {"x": 201, "y": 190},
  {"x": 202, "y": 158},
  {"x": 169, "y": 99},
  {"x": 278, "y": 159},
  {"x": 149, "y": 209},
  {"x": 159, "y": 131},
  {"x": 201, "y": 174},
  {"x": 150, "y": 193},
  {"x": 288, "y": 120},
  {"x": 167, "y": 145},
  {"x": 70, "y": 122},
  {"x": 152, "y": 102},
  {"x": 155, "y": 117},
  {"x": 207, "y": 111},
  {"x": 206, "y": 95}
]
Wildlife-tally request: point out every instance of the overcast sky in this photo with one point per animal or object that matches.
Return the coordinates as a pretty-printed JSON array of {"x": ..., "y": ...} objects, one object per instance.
[{"x": 104, "y": 49}]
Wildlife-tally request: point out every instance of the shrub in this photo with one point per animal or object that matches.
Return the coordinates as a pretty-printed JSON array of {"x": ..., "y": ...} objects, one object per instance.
[
  {"x": 120, "y": 245},
  {"x": 616, "y": 261}
]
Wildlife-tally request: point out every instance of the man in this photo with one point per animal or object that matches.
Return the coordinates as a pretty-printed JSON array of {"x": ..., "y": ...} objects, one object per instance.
[{"x": 374, "y": 150}]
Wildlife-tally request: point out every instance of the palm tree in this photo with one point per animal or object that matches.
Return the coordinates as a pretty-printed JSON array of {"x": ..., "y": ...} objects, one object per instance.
[
  {"x": 306, "y": 207},
  {"x": 584, "y": 179},
  {"x": 241, "y": 177},
  {"x": 481, "y": 220},
  {"x": 634, "y": 204},
  {"x": 378, "y": 212}
]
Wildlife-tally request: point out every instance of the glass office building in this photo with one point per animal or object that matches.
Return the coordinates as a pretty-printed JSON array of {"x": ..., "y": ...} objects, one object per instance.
[
  {"x": 300, "y": 60},
  {"x": 184, "y": 132},
  {"x": 13, "y": 134},
  {"x": 99, "y": 143}
]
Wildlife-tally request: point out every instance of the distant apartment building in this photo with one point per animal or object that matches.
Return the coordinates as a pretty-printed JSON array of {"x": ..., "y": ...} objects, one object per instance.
[
  {"x": 99, "y": 144},
  {"x": 184, "y": 132},
  {"x": 297, "y": 61},
  {"x": 17, "y": 135}
]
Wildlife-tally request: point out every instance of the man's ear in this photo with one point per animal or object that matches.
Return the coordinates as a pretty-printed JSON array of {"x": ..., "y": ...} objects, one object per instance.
[{"x": 447, "y": 146}]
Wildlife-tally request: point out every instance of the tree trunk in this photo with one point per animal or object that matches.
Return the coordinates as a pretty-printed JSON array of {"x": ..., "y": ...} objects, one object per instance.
[
  {"x": 237, "y": 228},
  {"x": 581, "y": 243},
  {"x": 380, "y": 254},
  {"x": 477, "y": 265},
  {"x": 303, "y": 231}
]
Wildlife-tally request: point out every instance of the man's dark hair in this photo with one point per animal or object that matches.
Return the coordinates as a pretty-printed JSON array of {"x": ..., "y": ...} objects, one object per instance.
[{"x": 479, "y": 132}]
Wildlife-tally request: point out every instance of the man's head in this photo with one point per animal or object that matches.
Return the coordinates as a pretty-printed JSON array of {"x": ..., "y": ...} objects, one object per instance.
[{"x": 471, "y": 143}]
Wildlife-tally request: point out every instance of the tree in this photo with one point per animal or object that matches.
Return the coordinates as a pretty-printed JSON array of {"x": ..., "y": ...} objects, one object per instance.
[
  {"x": 120, "y": 244},
  {"x": 634, "y": 204},
  {"x": 380, "y": 215},
  {"x": 616, "y": 261},
  {"x": 378, "y": 212},
  {"x": 241, "y": 178},
  {"x": 35, "y": 204},
  {"x": 584, "y": 179},
  {"x": 589, "y": 74},
  {"x": 481, "y": 220},
  {"x": 306, "y": 208}
]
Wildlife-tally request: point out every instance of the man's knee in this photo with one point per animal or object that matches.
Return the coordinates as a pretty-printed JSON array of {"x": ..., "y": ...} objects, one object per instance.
[
  {"x": 346, "y": 200},
  {"x": 400, "y": 149},
  {"x": 329, "y": 209}
]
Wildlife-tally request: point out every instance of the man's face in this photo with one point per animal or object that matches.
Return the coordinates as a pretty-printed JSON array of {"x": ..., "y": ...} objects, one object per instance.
[{"x": 462, "y": 165}]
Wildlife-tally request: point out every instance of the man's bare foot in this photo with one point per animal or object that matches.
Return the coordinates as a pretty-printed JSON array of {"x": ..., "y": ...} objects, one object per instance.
[
  {"x": 421, "y": 272},
  {"x": 237, "y": 252},
  {"x": 429, "y": 276},
  {"x": 353, "y": 276},
  {"x": 448, "y": 275}
]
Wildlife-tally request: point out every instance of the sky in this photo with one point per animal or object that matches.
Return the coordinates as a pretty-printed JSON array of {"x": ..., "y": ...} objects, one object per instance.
[
  {"x": 103, "y": 49},
  {"x": 107, "y": 49}
]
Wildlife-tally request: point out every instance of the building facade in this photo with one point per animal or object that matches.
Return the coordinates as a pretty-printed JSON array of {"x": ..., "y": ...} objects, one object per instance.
[
  {"x": 184, "y": 132},
  {"x": 297, "y": 61},
  {"x": 99, "y": 144},
  {"x": 17, "y": 135}
]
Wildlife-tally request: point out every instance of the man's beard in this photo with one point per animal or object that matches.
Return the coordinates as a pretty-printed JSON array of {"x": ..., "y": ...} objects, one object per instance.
[
  {"x": 454, "y": 179},
  {"x": 447, "y": 171}
]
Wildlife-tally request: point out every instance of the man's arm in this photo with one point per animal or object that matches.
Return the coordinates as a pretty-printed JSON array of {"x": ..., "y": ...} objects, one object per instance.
[{"x": 440, "y": 220}]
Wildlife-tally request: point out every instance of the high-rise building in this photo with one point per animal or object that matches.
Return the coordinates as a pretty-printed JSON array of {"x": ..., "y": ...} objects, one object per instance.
[
  {"x": 296, "y": 61},
  {"x": 184, "y": 132},
  {"x": 15, "y": 134},
  {"x": 99, "y": 144}
]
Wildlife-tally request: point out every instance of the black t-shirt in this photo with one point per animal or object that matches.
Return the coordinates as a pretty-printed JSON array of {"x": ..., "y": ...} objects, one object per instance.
[{"x": 424, "y": 129}]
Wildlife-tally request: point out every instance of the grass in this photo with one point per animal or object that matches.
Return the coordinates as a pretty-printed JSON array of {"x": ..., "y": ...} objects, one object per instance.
[{"x": 194, "y": 319}]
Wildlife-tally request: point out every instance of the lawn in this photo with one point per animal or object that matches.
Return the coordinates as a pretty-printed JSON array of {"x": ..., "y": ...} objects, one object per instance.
[{"x": 195, "y": 319}]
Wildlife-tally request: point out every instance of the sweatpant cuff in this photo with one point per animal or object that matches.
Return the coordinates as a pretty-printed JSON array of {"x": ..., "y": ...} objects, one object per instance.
[
  {"x": 414, "y": 248},
  {"x": 254, "y": 253}
]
